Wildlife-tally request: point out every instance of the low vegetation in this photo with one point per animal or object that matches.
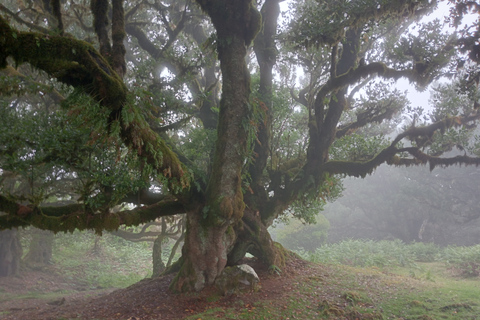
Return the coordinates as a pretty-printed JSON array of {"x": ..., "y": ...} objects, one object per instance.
[
  {"x": 364, "y": 279},
  {"x": 354, "y": 279},
  {"x": 102, "y": 262}
]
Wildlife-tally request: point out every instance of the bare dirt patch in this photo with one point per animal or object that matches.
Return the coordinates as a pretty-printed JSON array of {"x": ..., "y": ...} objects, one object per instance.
[{"x": 147, "y": 299}]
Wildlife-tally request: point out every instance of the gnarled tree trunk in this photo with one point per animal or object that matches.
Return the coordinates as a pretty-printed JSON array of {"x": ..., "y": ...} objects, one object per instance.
[
  {"x": 254, "y": 238},
  {"x": 204, "y": 253},
  {"x": 210, "y": 234}
]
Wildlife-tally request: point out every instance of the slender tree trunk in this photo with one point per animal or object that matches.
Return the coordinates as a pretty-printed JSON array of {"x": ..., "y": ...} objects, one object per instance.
[
  {"x": 97, "y": 247},
  {"x": 158, "y": 264},
  {"x": 10, "y": 253},
  {"x": 175, "y": 248}
]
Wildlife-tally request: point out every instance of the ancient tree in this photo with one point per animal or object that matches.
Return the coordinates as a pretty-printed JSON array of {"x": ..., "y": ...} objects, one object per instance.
[{"x": 181, "y": 107}]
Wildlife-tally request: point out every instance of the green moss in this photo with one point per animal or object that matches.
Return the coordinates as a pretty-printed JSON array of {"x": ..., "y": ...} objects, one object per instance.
[
  {"x": 254, "y": 23},
  {"x": 185, "y": 279},
  {"x": 230, "y": 231},
  {"x": 72, "y": 61}
]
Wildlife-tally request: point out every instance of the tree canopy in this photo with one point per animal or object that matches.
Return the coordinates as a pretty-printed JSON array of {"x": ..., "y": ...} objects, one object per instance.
[{"x": 118, "y": 113}]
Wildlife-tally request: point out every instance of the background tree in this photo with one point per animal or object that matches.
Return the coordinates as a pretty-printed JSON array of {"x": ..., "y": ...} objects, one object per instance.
[
  {"x": 158, "y": 108},
  {"x": 159, "y": 232},
  {"x": 410, "y": 204},
  {"x": 10, "y": 253},
  {"x": 414, "y": 204},
  {"x": 40, "y": 248}
]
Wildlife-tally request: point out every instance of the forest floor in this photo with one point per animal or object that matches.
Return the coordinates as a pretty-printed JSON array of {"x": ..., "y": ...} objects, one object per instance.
[
  {"x": 45, "y": 295},
  {"x": 303, "y": 291}
]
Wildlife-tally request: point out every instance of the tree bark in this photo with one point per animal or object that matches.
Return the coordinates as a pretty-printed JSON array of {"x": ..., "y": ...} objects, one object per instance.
[
  {"x": 10, "y": 253},
  {"x": 204, "y": 253},
  {"x": 158, "y": 264},
  {"x": 254, "y": 238},
  {"x": 210, "y": 234}
]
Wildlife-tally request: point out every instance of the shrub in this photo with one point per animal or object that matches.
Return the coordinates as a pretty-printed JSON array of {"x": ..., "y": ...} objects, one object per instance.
[
  {"x": 424, "y": 252},
  {"x": 463, "y": 261},
  {"x": 299, "y": 236},
  {"x": 364, "y": 253}
]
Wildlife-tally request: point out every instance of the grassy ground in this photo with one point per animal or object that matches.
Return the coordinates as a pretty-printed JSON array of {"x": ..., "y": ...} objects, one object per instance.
[
  {"x": 345, "y": 292},
  {"x": 377, "y": 280},
  {"x": 351, "y": 280}
]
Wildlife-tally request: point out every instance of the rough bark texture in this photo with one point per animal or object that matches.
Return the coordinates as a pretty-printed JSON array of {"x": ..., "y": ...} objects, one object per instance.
[
  {"x": 10, "y": 253},
  {"x": 252, "y": 234},
  {"x": 210, "y": 233},
  {"x": 204, "y": 252},
  {"x": 254, "y": 238}
]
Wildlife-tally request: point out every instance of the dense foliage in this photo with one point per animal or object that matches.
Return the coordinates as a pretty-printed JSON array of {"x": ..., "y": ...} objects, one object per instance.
[{"x": 119, "y": 113}]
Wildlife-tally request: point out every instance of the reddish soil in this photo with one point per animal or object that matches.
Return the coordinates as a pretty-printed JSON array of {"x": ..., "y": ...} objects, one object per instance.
[{"x": 147, "y": 299}]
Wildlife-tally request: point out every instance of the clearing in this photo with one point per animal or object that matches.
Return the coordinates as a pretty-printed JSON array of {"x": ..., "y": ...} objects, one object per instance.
[{"x": 303, "y": 291}]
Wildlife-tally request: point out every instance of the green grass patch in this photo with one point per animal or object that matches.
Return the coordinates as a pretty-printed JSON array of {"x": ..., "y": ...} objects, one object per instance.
[
  {"x": 345, "y": 292},
  {"x": 363, "y": 253},
  {"x": 106, "y": 262},
  {"x": 360, "y": 279}
]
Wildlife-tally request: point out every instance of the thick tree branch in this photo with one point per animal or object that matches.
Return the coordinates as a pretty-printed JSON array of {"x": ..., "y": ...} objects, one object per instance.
[
  {"x": 356, "y": 168},
  {"x": 100, "y": 22},
  {"x": 388, "y": 155},
  {"x": 72, "y": 217},
  {"x": 364, "y": 120},
  {"x": 57, "y": 13},
  {"x": 118, "y": 35},
  {"x": 266, "y": 53},
  {"x": 71, "y": 61},
  {"x": 78, "y": 64}
]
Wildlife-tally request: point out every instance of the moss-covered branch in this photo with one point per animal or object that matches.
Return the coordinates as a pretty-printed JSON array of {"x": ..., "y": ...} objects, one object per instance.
[
  {"x": 356, "y": 168},
  {"x": 77, "y": 63},
  {"x": 72, "y": 217},
  {"x": 389, "y": 155},
  {"x": 71, "y": 61},
  {"x": 361, "y": 169},
  {"x": 442, "y": 125},
  {"x": 433, "y": 161},
  {"x": 363, "y": 120}
]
